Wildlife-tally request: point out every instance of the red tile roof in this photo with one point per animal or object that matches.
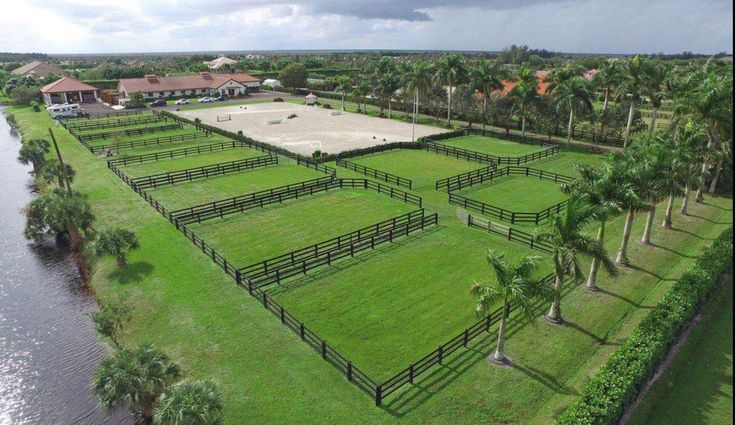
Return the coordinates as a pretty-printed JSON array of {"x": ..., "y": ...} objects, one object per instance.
[
  {"x": 203, "y": 80},
  {"x": 38, "y": 68},
  {"x": 66, "y": 84}
]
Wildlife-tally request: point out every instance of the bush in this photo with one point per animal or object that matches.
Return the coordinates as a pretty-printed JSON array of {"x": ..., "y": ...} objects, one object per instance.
[
  {"x": 278, "y": 99},
  {"x": 198, "y": 120},
  {"x": 36, "y": 107},
  {"x": 23, "y": 95},
  {"x": 605, "y": 397},
  {"x": 327, "y": 106}
]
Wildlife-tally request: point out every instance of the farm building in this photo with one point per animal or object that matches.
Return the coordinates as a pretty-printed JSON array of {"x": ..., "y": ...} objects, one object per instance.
[
  {"x": 68, "y": 90},
  {"x": 39, "y": 69},
  {"x": 203, "y": 84},
  {"x": 219, "y": 62}
]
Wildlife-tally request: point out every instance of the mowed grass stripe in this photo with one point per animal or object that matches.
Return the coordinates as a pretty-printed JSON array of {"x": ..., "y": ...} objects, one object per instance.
[
  {"x": 423, "y": 168},
  {"x": 493, "y": 146},
  {"x": 191, "y": 161},
  {"x": 259, "y": 234},
  {"x": 203, "y": 191},
  {"x": 388, "y": 308}
]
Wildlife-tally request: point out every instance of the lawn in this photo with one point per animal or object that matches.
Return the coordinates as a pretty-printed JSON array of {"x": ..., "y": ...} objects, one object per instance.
[
  {"x": 422, "y": 167},
  {"x": 697, "y": 387},
  {"x": 259, "y": 234},
  {"x": 201, "y": 191},
  {"x": 388, "y": 308},
  {"x": 187, "y": 306},
  {"x": 492, "y": 146},
  {"x": 563, "y": 163},
  {"x": 129, "y": 125},
  {"x": 105, "y": 120},
  {"x": 190, "y": 161},
  {"x": 169, "y": 146},
  {"x": 517, "y": 193}
]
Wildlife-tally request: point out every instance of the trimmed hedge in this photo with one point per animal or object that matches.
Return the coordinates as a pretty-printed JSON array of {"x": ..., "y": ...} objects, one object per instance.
[{"x": 605, "y": 397}]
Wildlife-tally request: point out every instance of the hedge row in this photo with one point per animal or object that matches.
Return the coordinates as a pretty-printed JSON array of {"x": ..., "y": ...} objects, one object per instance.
[{"x": 606, "y": 396}]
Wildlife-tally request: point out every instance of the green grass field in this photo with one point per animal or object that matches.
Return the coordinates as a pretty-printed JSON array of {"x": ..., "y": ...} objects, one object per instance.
[
  {"x": 122, "y": 139},
  {"x": 563, "y": 162},
  {"x": 169, "y": 146},
  {"x": 131, "y": 125},
  {"x": 423, "y": 168},
  {"x": 190, "y": 161},
  {"x": 696, "y": 389},
  {"x": 386, "y": 309},
  {"x": 187, "y": 306},
  {"x": 259, "y": 234},
  {"x": 517, "y": 193},
  {"x": 198, "y": 192},
  {"x": 493, "y": 146}
]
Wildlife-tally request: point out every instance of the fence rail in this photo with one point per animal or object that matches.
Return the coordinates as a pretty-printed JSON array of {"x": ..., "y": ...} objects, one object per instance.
[
  {"x": 198, "y": 173},
  {"x": 106, "y": 115},
  {"x": 238, "y": 204},
  {"x": 75, "y": 128},
  {"x": 377, "y": 174},
  {"x": 129, "y": 132},
  {"x": 177, "y": 153},
  {"x": 142, "y": 143},
  {"x": 274, "y": 270},
  {"x": 462, "y": 181},
  {"x": 453, "y": 180}
]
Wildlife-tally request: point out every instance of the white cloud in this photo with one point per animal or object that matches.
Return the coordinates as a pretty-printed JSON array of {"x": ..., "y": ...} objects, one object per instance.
[{"x": 616, "y": 26}]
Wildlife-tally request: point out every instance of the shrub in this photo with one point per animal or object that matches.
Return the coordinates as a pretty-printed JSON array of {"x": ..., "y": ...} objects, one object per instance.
[
  {"x": 36, "y": 107},
  {"x": 278, "y": 99},
  {"x": 605, "y": 397},
  {"x": 327, "y": 106},
  {"x": 198, "y": 120}
]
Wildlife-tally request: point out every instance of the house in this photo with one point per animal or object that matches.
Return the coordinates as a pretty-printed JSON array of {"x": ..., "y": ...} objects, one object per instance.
[
  {"x": 219, "y": 62},
  {"x": 202, "y": 84},
  {"x": 68, "y": 90},
  {"x": 540, "y": 78},
  {"x": 39, "y": 69}
]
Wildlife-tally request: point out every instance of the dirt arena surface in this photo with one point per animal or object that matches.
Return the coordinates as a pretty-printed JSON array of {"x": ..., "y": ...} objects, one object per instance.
[{"x": 313, "y": 128}]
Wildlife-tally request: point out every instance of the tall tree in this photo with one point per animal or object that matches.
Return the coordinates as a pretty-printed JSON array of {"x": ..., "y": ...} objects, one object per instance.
[
  {"x": 525, "y": 94},
  {"x": 487, "y": 78},
  {"x": 516, "y": 285},
  {"x": 576, "y": 95},
  {"x": 451, "y": 70},
  {"x": 631, "y": 88},
  {"x": 134, "y": 378},
  {"x": 116, "y": 242},
  {"x": 388, "y": 85},
  {"x": 34, "y": 152},
  {"x": 56, "y": 214},
  {"x": 190, "y": 403},
  {"x": 51, "y": 171},
  {"x": 565, "y": 233},
  {"x": 344, "y": 85},
  {"x": 607, "y": 79},
  {"x": 657, "y": 89},
  {"x": 418, "y": 81}
]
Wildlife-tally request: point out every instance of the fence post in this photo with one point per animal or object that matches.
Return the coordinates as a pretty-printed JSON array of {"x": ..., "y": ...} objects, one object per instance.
[
  {"x": 265, "y": 300},
  {"x": 441, "y": 354},
  {"x": 324, "y": 349},
  {"x": 410, "y": 373},
  {"x": 466, "y": 337},
  {"x": 487, "y": 324},
  {"x": 378, "y": 395},
  {"x": 302, "y": 331}
]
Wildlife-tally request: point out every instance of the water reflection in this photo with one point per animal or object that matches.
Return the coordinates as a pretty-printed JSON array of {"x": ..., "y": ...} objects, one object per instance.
[{"x": 48, "y": 347}]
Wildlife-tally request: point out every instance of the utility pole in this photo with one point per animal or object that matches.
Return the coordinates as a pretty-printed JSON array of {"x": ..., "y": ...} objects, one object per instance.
[{"x": 61, "y": 163}]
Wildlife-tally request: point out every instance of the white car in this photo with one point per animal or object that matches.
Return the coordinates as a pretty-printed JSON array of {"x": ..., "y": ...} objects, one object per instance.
[
  {"x": 182, "y": 102},
  {"x": 206, "y": 100}
]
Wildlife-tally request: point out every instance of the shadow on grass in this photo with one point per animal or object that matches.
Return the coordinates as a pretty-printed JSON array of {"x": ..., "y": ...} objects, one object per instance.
[
  {"x": 680, "y": 254},
  {"x": 133, "y": 272},
  {"x": 605, "y": 340},
  {"x": 545, "y": 379},
  {"x": 622, "y": 298},
  {"x": 701, "y": 217}
]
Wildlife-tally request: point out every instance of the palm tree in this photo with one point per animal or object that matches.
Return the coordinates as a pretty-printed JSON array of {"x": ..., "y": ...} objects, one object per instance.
[
  {"x": 56, "y": 214},
  {"x": 632, "y": 202},
  {"x": 650, "y": 159},
  {"x": 602, "y": 188},
  {"x": 51, "y": 170},
  {"x": 607, "y": 78},
  {"x": 487, "y": 78},
  {"x": 116, "y": 242},
  {"x": 111, "y": 317},
  {"x": 134, "y": 378},
  {"x": 388, "y": 85},
  {"x": 632, "y": 85},
  {"x": 525, "y": 94},
  {"x": 575, "y": 94},
  {"x": 417, "y": 80},
  {"x": 565, "y": 233},
  {"x": 451, "y": 69},
  {"x": 344, "y": 85},
  {"x": 34, "y": 152},
  {"x": 189, "y": 403},
  {"x": 657, "y": 89},
  {"x": 515, "y": 285},
  {"x": 360, "y": 92}
]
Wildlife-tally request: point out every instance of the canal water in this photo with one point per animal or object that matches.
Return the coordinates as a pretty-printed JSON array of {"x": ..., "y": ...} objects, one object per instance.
[{"x": 48, "y": 347}]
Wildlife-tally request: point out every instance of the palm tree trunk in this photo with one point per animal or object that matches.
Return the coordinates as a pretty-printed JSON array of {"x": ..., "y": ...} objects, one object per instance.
[
  {"x": 484, "y": 112},
  {"x": 606, "y": 103},
  {"x": 554, "y": 315},
  {"x": 602, "y": 115},
  {"x": 715, "y": 177},
  {"x": 591, "y": 284},
  {"x": 569, "y": 127},
  {"x": 343, "y": 101},
  {"x": 703, "y": 174},
  {"x": 75, "y": 236},
  {"x": 449, "y": 106},
  {"x": 646, "y": 239},
  {"x": 669, "y": 208},
  {"x": 685, "y": 200},
  {"x": 523, "y": 124},
  {"x": 500, "y": 350},
  {"x": 630, "y": 123},
  {"x": 390, "y": 108},
  {"x": 654, "y": 112},
  {"x": 622, "y": 258}
]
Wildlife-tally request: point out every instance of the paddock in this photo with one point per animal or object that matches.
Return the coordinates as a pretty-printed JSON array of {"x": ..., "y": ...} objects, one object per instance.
[{"x": 313, "y": 129}]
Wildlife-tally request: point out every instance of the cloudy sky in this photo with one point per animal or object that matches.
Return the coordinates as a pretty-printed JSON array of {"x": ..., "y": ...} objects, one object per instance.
[{"x": 590, "y": 26}]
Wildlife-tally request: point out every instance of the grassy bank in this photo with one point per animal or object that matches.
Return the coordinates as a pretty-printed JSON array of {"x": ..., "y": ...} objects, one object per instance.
[{"x": 190, "y": 308}]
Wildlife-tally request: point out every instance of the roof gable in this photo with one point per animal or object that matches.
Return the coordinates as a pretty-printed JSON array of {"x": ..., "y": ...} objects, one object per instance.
[{"x": 66, "y": 84}]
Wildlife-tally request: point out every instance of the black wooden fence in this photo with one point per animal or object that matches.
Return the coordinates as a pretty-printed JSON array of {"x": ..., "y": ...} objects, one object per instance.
[
  {"x": 274, "y": 270},
  {"x": 178, "y": 153},
  {"x": 142, "y": 143},
  {"x": 453, "y": 181},
  {"x": 198, "y": 173},
  {"x": 144, "y": 119},
  {"x": 377, "y": 174},
  {"x": 129, "y": 132}
]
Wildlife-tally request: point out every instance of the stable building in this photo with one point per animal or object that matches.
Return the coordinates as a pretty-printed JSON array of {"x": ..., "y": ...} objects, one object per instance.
[
  {"x": 68, "y": 90},
  {"x": 202, "y": 84}
]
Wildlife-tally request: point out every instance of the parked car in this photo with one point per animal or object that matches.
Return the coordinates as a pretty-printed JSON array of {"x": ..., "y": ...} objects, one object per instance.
[
  {"x": 206, "y": 100},
  {"x": 221, "y": 98},
  {"x": 159, "y": 102},
  {"x": 182, "y": 102}
]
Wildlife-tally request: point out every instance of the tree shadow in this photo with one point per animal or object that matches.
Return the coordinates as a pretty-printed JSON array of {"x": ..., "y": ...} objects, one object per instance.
[
  {"x": 545, "y": 379},
  {"x": 680, "y": 254},
  {"x": 622, "y": 298},
  {"x": 648, "y": 272},
  {"x": 604, "y": 340},
  {"x": 132, "y": 272}
]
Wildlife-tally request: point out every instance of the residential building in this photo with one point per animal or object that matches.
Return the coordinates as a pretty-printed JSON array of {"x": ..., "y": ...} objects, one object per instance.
[
  {"x": 202, "y": 84},
  {"x": 39, "y": 69},
  {"x": 68, "y": 90},
  {"x": 219, "y": 62}
]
